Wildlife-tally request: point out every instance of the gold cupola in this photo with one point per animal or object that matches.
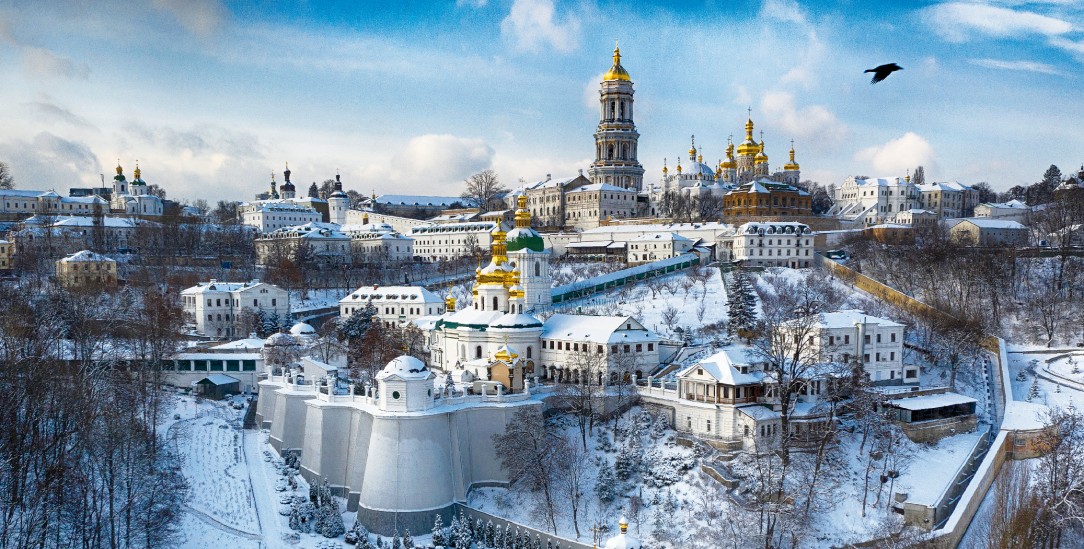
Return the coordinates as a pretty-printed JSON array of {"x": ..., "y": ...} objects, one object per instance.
[
  {"x": 665, "y": 170},
  {"x": 792, "y": 165},
  {"x": 749, "y": 147},
  {"x": 617, "y": 72},
  {"x": 761, "y": 158},
  {"x": 729, "y": 163}
]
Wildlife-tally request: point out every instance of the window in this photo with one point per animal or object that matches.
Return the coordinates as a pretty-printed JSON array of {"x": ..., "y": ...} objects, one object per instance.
[
  {"x": 200, "y": 365},
  {"x": 478, "y": 352},
  {"x": 878, "y": 338},
  {"x": 626, "y": 348},
  {"x": 708, "y": 428},
  {"x": 216, "y": 365},
  {"x": 893, "y": 337},
  {"x": 184, "y": 365},
  {"x": 650, "y": 346},
  {"x": 273, "y": 300},
  {"x": 233, "y": 366},
  {"x": 846, "y": 339},
  {"x": 395, "y": 395},
  {"x": 865, "y": 357},
  {"x": 892, "y": 355},
  {"x": 639, "y": 347},
  {"x": 867, "y": 338},
  {"x": 613, "y": 349},
  {"x": 248, "y": 365}
]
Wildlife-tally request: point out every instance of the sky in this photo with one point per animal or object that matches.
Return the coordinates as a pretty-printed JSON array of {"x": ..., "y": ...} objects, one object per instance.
[{"x": 411, "y": 97}]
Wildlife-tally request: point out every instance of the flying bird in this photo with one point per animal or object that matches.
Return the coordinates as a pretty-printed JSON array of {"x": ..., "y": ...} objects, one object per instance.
[{"x": 882, "y": 72}]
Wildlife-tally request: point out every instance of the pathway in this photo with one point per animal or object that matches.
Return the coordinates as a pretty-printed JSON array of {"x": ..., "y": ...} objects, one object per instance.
[{"x": 214, "y": 523}]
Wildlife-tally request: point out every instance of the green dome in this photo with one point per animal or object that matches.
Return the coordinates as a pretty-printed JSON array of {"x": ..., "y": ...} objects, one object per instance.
[{"x": 520, "y": 238}]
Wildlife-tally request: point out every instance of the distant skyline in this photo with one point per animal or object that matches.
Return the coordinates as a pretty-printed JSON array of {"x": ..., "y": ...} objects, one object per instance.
[{"x": 411, "y": 97}]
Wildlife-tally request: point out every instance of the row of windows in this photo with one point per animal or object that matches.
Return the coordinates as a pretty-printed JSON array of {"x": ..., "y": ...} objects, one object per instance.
[
  {"x": 577, "y": 347},
  {"x": 209, "y": 365}
]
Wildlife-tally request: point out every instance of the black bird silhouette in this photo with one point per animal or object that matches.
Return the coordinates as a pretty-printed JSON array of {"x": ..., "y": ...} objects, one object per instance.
[{"x": 882, "y": 72}]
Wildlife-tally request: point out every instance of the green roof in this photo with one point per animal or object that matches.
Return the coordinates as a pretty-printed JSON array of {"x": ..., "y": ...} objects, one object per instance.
[{"x": 518, "y": 239}]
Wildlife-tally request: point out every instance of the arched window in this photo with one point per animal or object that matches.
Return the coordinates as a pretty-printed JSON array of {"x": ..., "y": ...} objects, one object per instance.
[
  {"x": 538, "y": 268},
  {"x": 478, "y": 352},
  {"x": 610, "y": 153},
  {"x": 494, "y": 303},
  {"x": 624, "y": 152},
  {"x": 528, "y": 351},
  {"x": 612, "y": 105},
  {"x": 621, "y": 113}
]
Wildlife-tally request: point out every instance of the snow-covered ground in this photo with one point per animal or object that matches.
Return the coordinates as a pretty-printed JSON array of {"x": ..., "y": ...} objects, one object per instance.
[
  {"x": 232, "y": 500},
  {"x": 1033, "y": 387},
  {"x": 677, "y": 292},
  {"x": 316, "y": 299}
]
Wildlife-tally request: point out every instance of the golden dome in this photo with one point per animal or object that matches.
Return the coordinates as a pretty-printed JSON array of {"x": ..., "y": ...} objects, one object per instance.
[
  {"x": 679, "y": 166},
  {"x": 761, "y": 158},
  {"x": 792, "y": 165},
  {"x": 749, "y": 147},
  {"x": 136, "y": 173},
  {"x": 665, "y": 170},
  {"x": 617, "y": 72},
  {"x": 120, "y": 170},
  {"x": 449, "y": 303}
]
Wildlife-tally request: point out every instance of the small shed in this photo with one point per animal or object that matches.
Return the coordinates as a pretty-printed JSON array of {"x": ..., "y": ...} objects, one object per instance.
[
  {"x": 929, "y": 418},
  {"x": 217, "y": 386}
]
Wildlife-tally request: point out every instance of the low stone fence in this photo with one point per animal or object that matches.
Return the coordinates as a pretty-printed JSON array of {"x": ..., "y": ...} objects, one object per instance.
[{"x": 484, "y": 522}]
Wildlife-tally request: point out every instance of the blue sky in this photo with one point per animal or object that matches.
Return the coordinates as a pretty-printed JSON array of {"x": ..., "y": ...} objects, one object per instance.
[{"x": 411, "y": 97}]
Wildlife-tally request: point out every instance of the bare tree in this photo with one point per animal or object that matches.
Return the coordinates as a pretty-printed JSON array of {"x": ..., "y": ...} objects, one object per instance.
[
  {"x": 528, "y": 449},
  {"x": 580, "y": 392},
  {"x": 484, "y": 188},
  {"x": 572, "y": 477}
]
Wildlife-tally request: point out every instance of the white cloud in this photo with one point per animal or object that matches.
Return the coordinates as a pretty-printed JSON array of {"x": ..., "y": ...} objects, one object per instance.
[
  {"x": 1076, "y": 48},
  {"x": 49, "y": 161},
  {"x": 957, "y": 21},
  {"x": 814, "y": 124},
  {"x": 434, "y": 163},
  {"x": 532, "y": 25},
  {"x": 899, "y": 155},
  {"x": 783, "y": 10},
  {"x": 200, "y": 17},
  {"x": 1026, "y": 66}
]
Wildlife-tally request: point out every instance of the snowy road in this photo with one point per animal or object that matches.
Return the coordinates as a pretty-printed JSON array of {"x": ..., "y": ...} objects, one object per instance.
[{"x": 214, "y": 523}]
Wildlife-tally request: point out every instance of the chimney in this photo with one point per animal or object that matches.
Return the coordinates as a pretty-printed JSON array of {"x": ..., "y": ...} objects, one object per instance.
[
  {"x": 548, "y": 177},
  {"x": 581, "y": 172}
]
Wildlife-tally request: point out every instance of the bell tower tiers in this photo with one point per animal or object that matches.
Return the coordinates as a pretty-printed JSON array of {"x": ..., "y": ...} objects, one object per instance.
[{"x": 615, "y": 139}]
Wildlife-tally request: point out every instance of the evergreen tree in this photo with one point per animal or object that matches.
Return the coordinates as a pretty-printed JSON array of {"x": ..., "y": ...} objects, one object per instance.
[
  {"x": 408, "y": 541},
  {"x": 355, "y": 326},
  {"x": 453, "y": 532},
  {"x": 329, "y": 522},
  {"x": 658, "y": 429},
  {"x": 1034, "y": 391},
  {"x": 625, "y": 464},
  {"x": 606, "y": 485},
  {"x": 463, "y": 537},
  {"x": 395, "y": 543},
  {"x": 498, "y": 537},
  {"x": 438, "y": 531}
]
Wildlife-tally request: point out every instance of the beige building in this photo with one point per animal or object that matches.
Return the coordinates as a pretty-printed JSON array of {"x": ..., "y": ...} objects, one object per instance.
[
  {"x": 1013, "y": 210},
  {"x": 7, "y": 255},
  {"x": 948, "y": 199},
  {"x": 587, "y": 206},
  {"x": 989, "y": 232},
  {"x": 653, "y": 247},
  {"x": 87, "y": 269}
]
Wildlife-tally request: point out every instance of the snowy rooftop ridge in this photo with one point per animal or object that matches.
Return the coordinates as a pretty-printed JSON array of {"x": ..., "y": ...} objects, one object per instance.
[
  {"x": 411, "y": 294},
  {"x": 85, "y": 255}
]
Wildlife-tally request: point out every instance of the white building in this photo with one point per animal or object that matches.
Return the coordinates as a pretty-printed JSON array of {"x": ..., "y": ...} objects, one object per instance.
[
  {"x": 873, "y": 201},
  {"x": 774, "y": 244},
  {"x": 378, "y": 243},
  {"x": 322, "y": 243},
  {"x": 395, "y": 305},
  {"x": 653, "y": 247},
  {"x": 452, "y": 240},
  {"x": 876, "y": 343},
  {"x": 611, "y": 349},
  {"x": 59, "y": 236},
  {"x": 218, "y": 308},
  {"x": 1013, "y": 210},
  {"x": 269, "y": 215}
]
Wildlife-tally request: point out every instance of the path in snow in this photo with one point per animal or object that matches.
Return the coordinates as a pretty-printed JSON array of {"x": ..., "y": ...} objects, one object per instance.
[{"x": 213, "y": 522}]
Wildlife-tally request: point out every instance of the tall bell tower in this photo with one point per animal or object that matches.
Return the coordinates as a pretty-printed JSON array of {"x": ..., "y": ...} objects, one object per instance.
[{"x": 615, "y": 139}]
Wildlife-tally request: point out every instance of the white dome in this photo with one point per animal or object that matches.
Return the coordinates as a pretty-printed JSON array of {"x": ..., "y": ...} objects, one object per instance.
[
  {"x": 302, "y": 328},
  {"x": 406, "y": 367}
]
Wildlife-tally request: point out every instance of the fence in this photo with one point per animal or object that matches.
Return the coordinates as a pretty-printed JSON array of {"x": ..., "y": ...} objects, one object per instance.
[
  {"x": 482, "y": 520},
  {"x": 961, "y": 500}
]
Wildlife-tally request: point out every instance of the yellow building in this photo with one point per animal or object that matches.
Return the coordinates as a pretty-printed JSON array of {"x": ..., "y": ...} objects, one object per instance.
[{"x": 87, "y": 269}]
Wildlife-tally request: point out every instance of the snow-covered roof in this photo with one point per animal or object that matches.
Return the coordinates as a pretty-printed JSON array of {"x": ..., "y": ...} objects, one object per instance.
[
  {"x": 849, "y": 317},
  {"x": 880, "y": 181},
  {"x": 773, "y": 227},
  {"x": 929, "y": 402},
  {"x": 600, "y": 187},
  {"x": 663, "y": 236},
  {"x": 596, "y": 329},
  {"x": 405, "y": 367},
  {"x": 247, "y": 343},
  {"x": 220, "y": 379},
  {"x": 987, "y": 223},
  {"x": 312, "y": 230},
  {"x": 216, "y": 286},
  {"x": 455, "y": 227},
  {"x": 423, "y": 201},
  {"x": 759, "y": 412},
  {"x": 302, "y": 329},
  {"x": 367, "y": 228},
  {"x": 87, "y": 221},
  {"x": 86, "y": 255},
  {"x": 513, "y": 320},
  {"x": 724, "y": 366},
  {"x": 399, "y": 294}
]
